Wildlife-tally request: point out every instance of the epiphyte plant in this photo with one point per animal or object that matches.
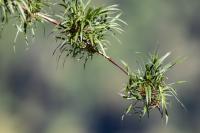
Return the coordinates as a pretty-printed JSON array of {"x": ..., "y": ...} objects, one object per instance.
[
  {"x": 82, "y": 31},
  {"x": 147, "y": 88}
]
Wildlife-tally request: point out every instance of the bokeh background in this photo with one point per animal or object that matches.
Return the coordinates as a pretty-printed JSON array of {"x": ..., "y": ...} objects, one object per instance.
[{"x": 38, "y": 97}]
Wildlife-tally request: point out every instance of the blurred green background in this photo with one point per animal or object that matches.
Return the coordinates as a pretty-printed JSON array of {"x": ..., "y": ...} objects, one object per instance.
[{"x": 38, "y": 97}]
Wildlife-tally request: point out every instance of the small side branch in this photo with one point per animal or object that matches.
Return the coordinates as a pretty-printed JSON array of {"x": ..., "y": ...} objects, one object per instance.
[
  {"x": 113, "y": 62},
  {"x": 50, "y": 20},
  {"x": 45, "y": 17}
]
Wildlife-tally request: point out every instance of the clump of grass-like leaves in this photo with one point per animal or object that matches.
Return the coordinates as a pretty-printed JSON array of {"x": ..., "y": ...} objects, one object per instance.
[
  {"x": 23, "y": 11},
  {"x": 83, "y": 28},
  {"x": 147, "y": 88}
]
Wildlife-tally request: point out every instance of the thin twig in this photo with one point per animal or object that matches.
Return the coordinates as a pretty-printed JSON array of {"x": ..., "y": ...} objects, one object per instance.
[
  {"x": 113, "y": 62},
  {"x": 51, "y": 20},
  {"x": 45, "y": 17}
]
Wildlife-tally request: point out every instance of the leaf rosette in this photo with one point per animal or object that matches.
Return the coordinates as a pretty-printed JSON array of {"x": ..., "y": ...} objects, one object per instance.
[
  {"x": 83, "y": 29},
  {"x": 147, "y": 88}
]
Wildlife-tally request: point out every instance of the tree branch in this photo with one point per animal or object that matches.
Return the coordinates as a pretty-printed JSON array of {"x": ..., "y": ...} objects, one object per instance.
[
  {"x": 57, "y": 23},
  {"x": 113, "y": 62},
  {"x": 48, "y": 19}
]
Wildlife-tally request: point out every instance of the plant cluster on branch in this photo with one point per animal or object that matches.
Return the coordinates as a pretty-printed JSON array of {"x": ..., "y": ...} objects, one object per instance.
[
  {"x": 82, "y": 31},
  {"x": 84, "y": 28},
  {"x": 24, "y": 13},
  {"x": 147, "y": 88}
]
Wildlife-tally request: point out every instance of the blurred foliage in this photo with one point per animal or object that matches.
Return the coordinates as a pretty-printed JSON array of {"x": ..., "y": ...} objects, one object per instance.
[{"x": 24, "y": 13}]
